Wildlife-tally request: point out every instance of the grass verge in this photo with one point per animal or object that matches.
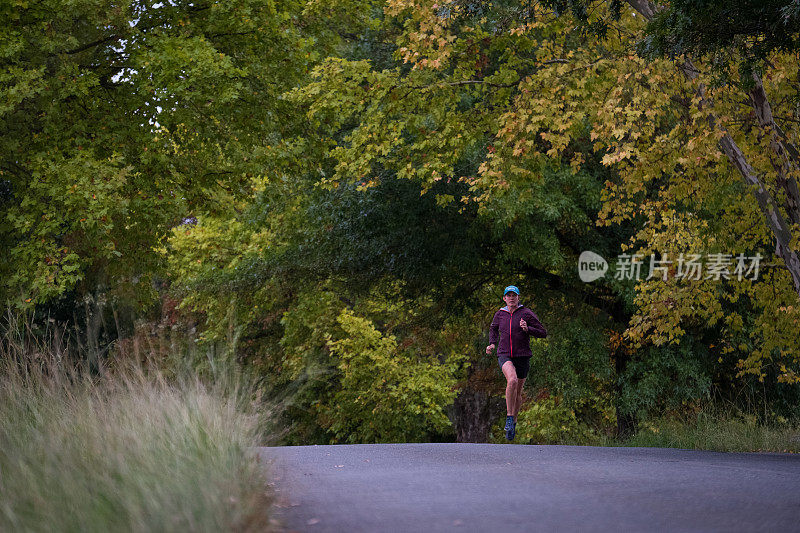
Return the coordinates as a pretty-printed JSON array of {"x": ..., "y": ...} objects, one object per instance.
[
  {"x": 128, "y": 452},
  {"x": 715, "y": 431}
]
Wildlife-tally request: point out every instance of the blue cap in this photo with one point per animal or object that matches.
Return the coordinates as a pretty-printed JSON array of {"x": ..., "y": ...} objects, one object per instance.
[{"x": 511, "y": 288}]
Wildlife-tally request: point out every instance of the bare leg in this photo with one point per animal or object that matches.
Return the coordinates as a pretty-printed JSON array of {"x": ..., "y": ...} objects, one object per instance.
[
  {"x": 518, "y": 397},
  {"x": 511, "y": 386}
]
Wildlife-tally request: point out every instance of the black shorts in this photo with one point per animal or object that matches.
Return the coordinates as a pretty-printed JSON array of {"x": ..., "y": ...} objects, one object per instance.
[{"x": 522, "y": 364}]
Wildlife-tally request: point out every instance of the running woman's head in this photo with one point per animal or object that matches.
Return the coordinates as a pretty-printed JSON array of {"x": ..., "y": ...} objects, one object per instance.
[{"x": 511, "y": 296}]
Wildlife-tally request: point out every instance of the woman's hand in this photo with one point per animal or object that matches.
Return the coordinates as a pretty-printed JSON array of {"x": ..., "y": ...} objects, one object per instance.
[
  {"x": 523, "y": 325},
  {"x": 489, "y": 348}
]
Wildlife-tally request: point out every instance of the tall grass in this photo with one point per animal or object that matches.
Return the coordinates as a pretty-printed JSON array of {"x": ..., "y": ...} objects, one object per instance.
[
  {"x": 122, "y": 451},
  {"x": 718, "y": 430}
]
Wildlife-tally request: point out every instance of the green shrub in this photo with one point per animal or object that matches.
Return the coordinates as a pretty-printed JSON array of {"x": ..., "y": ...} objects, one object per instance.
[
  {"x": 547, "y": 422},
  {"x": 386, "y": 395}
]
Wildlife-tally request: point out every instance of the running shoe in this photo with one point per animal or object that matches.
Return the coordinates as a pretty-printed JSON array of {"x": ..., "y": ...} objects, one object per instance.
[{"x": 510, "y": 430}]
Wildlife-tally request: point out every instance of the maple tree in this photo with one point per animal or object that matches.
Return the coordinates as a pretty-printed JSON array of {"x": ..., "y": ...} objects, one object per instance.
[{"x": 519, "y": 85}]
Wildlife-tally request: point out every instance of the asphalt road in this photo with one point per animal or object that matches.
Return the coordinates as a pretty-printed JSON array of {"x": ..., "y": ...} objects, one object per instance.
[{"x": 490, "y": 487}]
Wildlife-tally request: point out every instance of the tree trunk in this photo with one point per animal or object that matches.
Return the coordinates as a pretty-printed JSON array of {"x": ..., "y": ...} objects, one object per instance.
[
  {"x": 474, "y": 411},
  {"x": 626, "y": 422}
]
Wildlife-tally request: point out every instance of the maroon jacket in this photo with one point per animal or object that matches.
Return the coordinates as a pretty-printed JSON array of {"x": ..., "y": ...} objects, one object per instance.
[{"x": 518, "y": 343}]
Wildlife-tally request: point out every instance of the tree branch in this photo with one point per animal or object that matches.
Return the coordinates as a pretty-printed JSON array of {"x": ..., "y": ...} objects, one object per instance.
[
  {"x": 766, "y": 202},
  {"x": 787, "y": 153}
]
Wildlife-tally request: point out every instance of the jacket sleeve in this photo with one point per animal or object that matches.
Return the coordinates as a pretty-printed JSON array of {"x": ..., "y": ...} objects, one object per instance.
[
  {"x": 494, "y": 330},
  {"x": 535, "y": 327}
]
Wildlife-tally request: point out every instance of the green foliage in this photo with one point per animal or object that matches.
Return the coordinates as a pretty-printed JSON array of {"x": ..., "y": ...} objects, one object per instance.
[
  {"x": 308, "y": 376},
  {"x": 546, "y": 220},
  {"x": 307, "y": 326},
  {"x": 725, "y": 33},
  {"x": 549, "y": 422},
  {"x": 117, "y": 121},
  {"x": 387, "y": 394},
  {"x": 389, "y": 230},
  {"x": 573, "y": 362},
  {"x": 666, "y": 378}
]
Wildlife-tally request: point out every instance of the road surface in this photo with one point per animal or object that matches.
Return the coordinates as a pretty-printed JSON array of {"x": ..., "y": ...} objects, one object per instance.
[{"x": 506, "y": 488}]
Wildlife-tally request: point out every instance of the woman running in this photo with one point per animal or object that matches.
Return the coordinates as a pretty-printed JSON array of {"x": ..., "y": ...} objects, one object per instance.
[{"x": 514, "y": 324}]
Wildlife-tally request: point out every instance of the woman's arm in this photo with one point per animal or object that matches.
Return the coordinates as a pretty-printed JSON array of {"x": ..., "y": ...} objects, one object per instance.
[
  {"x": 535, "y": 327},
  {"x": 494, "y": 330}
]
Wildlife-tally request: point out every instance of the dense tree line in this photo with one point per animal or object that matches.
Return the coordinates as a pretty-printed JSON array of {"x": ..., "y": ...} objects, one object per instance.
[{"x": 334, "y": 196}]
